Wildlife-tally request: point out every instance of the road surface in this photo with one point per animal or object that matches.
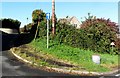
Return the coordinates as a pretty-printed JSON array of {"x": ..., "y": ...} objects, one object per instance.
[{"x": 12, "y": 67}]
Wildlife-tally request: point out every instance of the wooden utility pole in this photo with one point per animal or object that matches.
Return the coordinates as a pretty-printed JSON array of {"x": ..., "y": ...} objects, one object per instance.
[{"x": 53, "y": 17}]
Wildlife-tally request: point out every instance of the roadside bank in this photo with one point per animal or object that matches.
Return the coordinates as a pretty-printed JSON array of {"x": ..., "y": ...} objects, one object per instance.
[{"x": 56, "y": 66}]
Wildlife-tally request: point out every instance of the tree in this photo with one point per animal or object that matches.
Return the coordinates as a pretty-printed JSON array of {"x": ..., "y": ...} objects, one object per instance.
[
  {"x": 37, "y": 17},
  {"x": 100, "y": 33}
]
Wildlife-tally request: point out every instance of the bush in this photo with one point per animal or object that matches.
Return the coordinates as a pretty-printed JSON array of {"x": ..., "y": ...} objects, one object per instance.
[
  {"x": 26, "y": 28},
  {"x": 117, "y": 43},
  {"x": 42, "y": 30},
  {"x": 95, "y": 34},
  {"x": 64, "y": 33},
  {"x": 10, "y": 23},
  {"x": 99, "y": 34}
]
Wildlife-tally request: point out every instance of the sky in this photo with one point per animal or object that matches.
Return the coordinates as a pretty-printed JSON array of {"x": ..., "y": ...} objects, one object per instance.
[
  {"x": 60, "y": 0},
  {"x": 23, "y": 10}
]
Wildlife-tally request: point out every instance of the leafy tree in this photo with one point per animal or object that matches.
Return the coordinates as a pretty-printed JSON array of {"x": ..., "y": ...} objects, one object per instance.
[
  {"x": 38, "y": 15},
  {"x": 42, "y": 28},
  {"x": 99, "y": 34}
]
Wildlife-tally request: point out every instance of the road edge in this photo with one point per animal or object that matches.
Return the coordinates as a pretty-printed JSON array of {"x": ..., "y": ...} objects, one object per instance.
[{"x": 68, "y": 71}]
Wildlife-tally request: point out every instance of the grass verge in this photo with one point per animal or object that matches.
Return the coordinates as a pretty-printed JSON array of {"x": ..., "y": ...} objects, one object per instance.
[{"x": 79, "y": 57}]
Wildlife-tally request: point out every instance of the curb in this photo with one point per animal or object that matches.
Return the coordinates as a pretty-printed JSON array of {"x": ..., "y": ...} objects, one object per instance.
[{"x": 68, "y": 71}]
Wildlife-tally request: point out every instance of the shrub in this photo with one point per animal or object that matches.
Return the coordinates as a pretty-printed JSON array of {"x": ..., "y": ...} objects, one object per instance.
[
  {"x": 42, "y": 30},
  {"x": 100, "y": 33},
  {"x": 64, "y": 33},
  {"x": 117, "y": 43},
  {"x": 26, "y": 28},
  {"x": 10, "y": 23},
  {"x": 95, "y": 34}
]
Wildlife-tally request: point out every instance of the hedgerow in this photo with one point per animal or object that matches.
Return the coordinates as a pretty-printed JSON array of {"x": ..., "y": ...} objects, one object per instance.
[{"x": 95, "y": 34}]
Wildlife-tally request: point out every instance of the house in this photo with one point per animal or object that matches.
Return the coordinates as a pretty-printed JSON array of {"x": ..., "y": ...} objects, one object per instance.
[{"x": 72, "y": 21}]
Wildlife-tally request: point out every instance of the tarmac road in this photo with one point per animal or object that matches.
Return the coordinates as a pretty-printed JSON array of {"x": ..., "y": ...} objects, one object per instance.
[{"x": 12, "y": 67}]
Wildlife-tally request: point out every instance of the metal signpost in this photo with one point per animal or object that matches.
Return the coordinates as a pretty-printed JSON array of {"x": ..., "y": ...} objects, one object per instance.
[{"x": 47, "y": 17}]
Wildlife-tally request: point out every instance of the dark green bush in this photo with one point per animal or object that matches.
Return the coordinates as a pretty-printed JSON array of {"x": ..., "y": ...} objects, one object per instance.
[
  {"x": 100, "y": 34},
  {"x": 95, "y": 34},
  {"x": 10, "y": 23},
  {"x": 117, "y": 44},
  {"x": 42, "y": 30},
  {"x": 26, "y": 28},
  {"x": 64, "y": 33}
]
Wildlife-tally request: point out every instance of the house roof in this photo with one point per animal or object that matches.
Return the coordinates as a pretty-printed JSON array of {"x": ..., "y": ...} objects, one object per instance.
[
  {"x": 72, "y": 18},
  {"x": 69, "y": 19}
]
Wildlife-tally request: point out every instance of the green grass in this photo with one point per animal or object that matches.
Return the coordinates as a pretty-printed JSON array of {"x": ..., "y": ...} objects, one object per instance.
[
  {"x": 76, "y": 56},
  {"x": 39, "y": 62}
]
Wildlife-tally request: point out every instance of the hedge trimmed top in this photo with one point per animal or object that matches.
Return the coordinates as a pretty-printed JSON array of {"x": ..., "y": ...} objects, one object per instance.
[{"x": 10, "y": 23}]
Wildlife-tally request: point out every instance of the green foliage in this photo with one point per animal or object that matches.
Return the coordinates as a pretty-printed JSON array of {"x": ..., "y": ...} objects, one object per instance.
[
  {"x": 10, "y": 23},
  {"x": 29, "y": 26},
  {"x": 99, "y": 34},
  {"x": 42, "y": 30},
  {"x": 79, "y": 57},
  {"x": 95, "y": 34},
  {"x": 42, "y": 27},
  {"x": 63, "y": 31},
  {"x": 38, "y": 15},
  {"x": 26, "y": 28},
  {"x": 117, "y": 42}
]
